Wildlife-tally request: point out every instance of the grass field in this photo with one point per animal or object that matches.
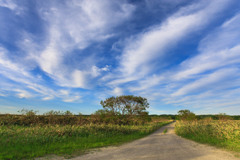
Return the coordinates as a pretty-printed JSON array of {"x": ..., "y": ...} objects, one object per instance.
[
  {"x": 19, "y": 142},
  {"x": 225, "y": 134}
]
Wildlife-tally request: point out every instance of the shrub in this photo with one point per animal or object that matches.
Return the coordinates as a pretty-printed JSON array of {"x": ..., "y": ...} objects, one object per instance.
[{"x": 186, "y": 115}]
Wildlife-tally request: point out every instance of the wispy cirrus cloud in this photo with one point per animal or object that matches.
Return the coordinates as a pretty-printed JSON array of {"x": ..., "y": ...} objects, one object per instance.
[
  {"x": 8, "y": 4},
  {"x": 69, "y": 26},
  {"x": 219, "y": 49},
  {"x": 220, "y": 79},
  {"x": 175, "y": 53},
  {"x": 209, "y": 79},
  {"x": 75, "y": 26},
  {"x": 148, "y": 46}
]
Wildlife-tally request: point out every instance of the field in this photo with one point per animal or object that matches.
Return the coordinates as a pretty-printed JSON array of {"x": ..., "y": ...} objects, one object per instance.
[
  {"x": 220, "y": 133},
  {"x": 19, "y": 142}
]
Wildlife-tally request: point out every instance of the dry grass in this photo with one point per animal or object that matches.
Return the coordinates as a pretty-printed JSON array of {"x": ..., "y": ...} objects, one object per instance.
[
  {"x": 35, "y": 140},
  {"x": 27, "y": 120},
  {"x": 223, "y": 133}
]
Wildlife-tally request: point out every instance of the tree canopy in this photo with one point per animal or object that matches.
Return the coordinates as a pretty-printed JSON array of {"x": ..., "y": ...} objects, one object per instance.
[
  {"x": 125, "y": 105},
  {"x": 186, "y": 115}
]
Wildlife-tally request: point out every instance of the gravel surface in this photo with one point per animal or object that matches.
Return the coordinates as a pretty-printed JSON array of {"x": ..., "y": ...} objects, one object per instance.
[{"x": 159, "y": 146}]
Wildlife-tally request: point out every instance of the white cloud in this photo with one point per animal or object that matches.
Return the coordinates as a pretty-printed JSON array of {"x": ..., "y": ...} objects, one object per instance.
[
  {"x": 209, "y": 82},
  {"x": 70, "y": 29},
  {"x": 75, "y": 98},
  {"x": 209, "y": 79},
  {"x": 8, "y": 4},
  {"x": 50, "y": 60},
  {"x": 119, "y": 80},
  {"x": 47, "y": 98},
  {"x": 92, "y": 22},
  {"x": 148, "y": 83},
  {"x": 208, "y": 61},
  {"x": 3, "y": 95},
  {"x": 76, "y": 25},
  {"x": 29, "y": 86},
  {"x": 151, "y": 45},
  {"x": 215, "y": 52},
  {"x": 22, "y": 93},
  {"x": 79, "y": 79},
  {"x": 64, "y": 92},
  {"x": 9, "y": 107},
  {"x": 7, "y": 64},
  {"x": 118, "y": 91},
  {"x": 97, "y": 71}
]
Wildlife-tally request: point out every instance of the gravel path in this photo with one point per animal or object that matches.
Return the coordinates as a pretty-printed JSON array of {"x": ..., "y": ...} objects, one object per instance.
[{"x": 159, "y": 146}]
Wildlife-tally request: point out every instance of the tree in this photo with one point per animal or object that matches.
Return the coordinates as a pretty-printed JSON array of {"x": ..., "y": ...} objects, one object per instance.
[
  {"x": 223, "y": 116},
  {"x": 55, "y": 113},
  {"x": 28, "y": 112},
  {"x": 125, "y": 105},
  {"x": 186, "y": 115}
]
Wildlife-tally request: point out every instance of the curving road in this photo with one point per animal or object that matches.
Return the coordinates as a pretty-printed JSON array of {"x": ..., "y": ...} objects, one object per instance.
[{"x": 160, "y": 146}]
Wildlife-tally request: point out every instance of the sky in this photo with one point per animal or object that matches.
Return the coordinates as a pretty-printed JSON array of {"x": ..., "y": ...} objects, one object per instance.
[{"x": 70, "y": 55}]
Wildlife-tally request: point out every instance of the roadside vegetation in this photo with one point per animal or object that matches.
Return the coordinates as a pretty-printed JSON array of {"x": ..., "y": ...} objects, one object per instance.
[
  {"x": 223, "y": 132},
  {"x": 34, "y": 141},
  {"x": 29, "y": 135},
  {"x": 165, "y": 131}
]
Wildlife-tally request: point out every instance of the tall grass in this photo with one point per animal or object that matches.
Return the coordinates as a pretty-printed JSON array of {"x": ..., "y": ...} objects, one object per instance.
[
  {"x": 221, "y": 133},
  {"x": 33, "y": 141},
  {"x": 52, "y": 119}
]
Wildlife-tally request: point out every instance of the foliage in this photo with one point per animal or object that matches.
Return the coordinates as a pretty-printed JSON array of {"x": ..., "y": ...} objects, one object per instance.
[
  {"x": 223, "y": 133},
  {"x": 165, "y": 131},
  {"x": 28, "y": 112},
  {"x": 80, "y": 114},
  {"x": 103, "y": 117},
  {"x": 52, "y": 113},
  {"x": 235, "y": 117},
  {"x": 215, "y": 117},
  {"x": 222, "y": 116},
  {"x": 48, "y": 139},
  {"x": 125, "y": 105},
  {"x": 186, "y": 115},
  {"x": 123, "y": 110},
  {"x": 164, "y": 116},
  {"x": 67, "y": 118},
  {"x": 51, "y": 117}
]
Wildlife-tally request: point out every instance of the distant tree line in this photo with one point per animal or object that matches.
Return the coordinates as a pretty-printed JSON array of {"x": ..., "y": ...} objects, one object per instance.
[
  {"x": 187, "y": 115},
  {"x": 213, "y": 116},
  {"x": 121, "y": 110}
]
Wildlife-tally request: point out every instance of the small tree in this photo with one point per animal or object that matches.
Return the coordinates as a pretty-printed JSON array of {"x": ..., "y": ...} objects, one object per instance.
[
  {"x": 223, "y": 117},
  {"x": 28, "y": 112},
  {"x": 53, "y": 113},
  {"x": 125, "y": 105},
  {"x": 186, "y": 115},
  {"x": 68, "y": 113}
]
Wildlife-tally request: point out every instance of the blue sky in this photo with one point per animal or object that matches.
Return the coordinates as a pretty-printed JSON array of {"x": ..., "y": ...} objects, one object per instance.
[{"x": 70, "y": 55}]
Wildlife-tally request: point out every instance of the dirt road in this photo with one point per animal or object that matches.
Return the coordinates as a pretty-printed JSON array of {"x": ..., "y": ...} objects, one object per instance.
[{"x": 160, "y": 146}]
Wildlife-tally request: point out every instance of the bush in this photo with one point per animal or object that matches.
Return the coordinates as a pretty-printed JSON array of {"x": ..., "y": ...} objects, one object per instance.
[
  {"x": 107, "y": 117},
  {"x": 222, "y": 116},
  {"x": 186, "y": 115},
  {"x": 123, "y": 110}
]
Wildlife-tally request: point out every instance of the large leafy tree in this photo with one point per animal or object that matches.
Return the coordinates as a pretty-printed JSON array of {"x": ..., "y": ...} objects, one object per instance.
[
  {"x": 186, "y": 115},
  {"x": 125, "y": 105}
]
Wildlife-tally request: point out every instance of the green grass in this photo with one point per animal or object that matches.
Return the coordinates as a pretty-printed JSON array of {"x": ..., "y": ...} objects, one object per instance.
[
  {"x": 18, "y": 142},
  {"x": 223, "y": 134},
  {"x": 165, "y": 131}
]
